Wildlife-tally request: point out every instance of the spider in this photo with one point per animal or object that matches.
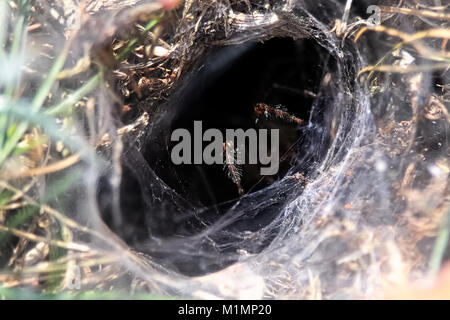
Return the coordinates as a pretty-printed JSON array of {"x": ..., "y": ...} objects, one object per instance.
[
  {"x": 278, "y": 112},
  {"x": 230, "y": 165},
  {"x": 230, "y": 153}
]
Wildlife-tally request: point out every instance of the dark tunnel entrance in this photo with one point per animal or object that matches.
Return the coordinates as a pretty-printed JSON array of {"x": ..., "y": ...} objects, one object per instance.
[
  {"x": 281, "y": 73},
  {"x": 222, "y": 92}
]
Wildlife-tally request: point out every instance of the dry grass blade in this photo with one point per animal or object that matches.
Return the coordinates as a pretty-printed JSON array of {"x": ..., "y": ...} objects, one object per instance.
[
  {"x": 418, "y": 13},
  {"x": 54, "y": 167},
  {"x": 35, "y": 238},
  {"x": 398, "y": 69},
  {"x": 414, "y": 40}
]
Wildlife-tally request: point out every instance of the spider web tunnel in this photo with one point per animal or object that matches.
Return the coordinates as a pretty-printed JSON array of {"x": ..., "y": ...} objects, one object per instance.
[{"x": 191, "y": 217}]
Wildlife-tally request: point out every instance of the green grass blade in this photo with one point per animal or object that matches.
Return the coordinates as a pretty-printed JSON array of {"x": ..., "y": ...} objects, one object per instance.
[
  {"x": 4, "y": 15},
  {"x": 133, "y": 42},
  {"x": 16, "y": 54},
  {"x": 76, "y": 96},
  {"x": 44, "y": 89},
  {"x": 22, "y": 111},
  {"x": 36, "y": 104},
  {"x": 440, "y": 246}
]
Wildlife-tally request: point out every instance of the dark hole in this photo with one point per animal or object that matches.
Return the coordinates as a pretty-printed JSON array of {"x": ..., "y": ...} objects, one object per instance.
[{"x": 221, "y": 91}]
